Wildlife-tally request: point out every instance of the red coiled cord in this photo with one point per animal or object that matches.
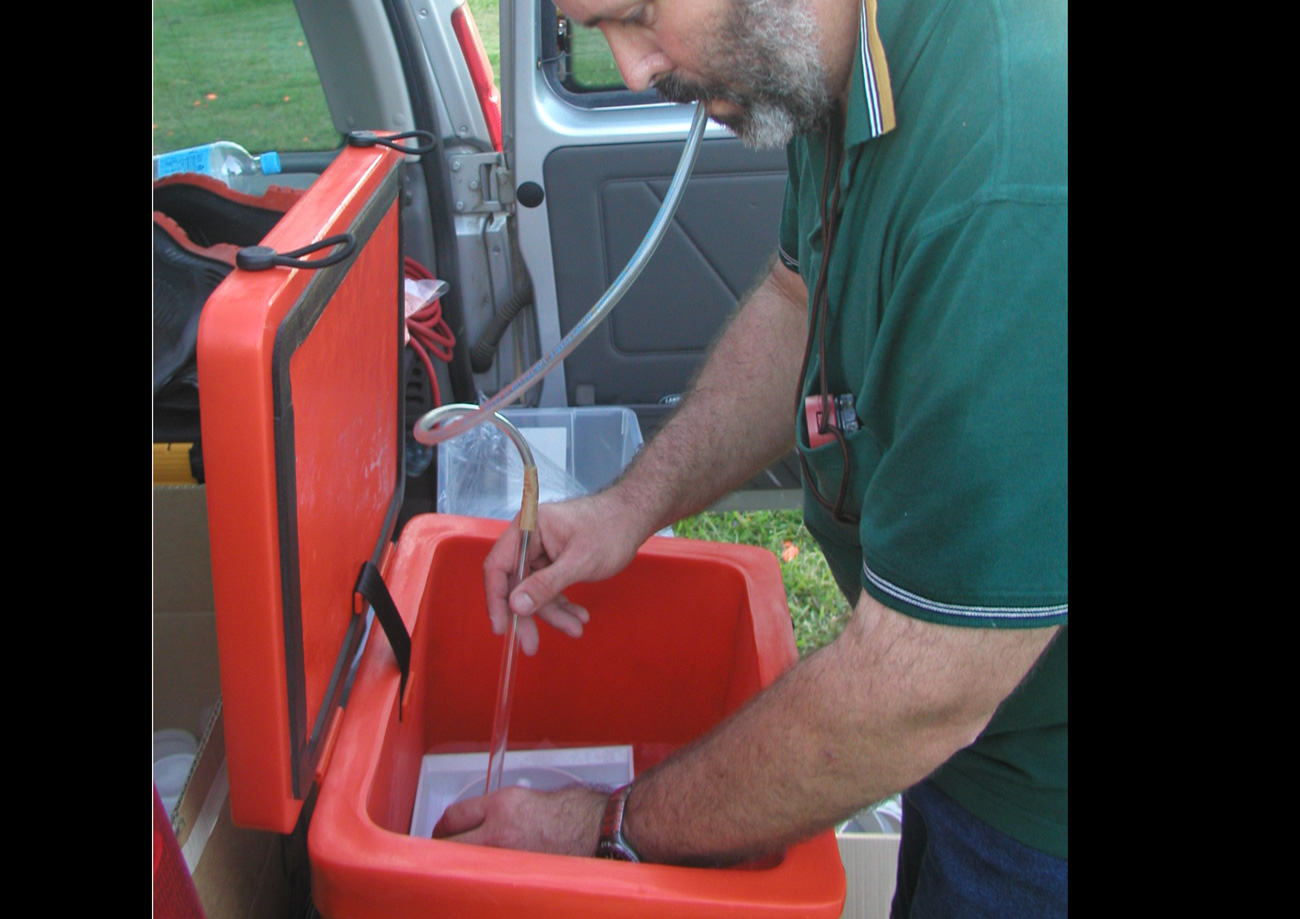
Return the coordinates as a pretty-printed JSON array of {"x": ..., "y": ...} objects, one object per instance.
[{"x": 429, "y": 332}]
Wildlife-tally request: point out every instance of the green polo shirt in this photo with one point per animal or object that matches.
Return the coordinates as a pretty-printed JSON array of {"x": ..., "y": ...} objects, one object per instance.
[{"x": 947, "y": 321}]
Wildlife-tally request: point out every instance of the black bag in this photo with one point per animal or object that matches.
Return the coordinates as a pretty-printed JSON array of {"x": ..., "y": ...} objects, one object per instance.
[{"x": 199, "y": 225}]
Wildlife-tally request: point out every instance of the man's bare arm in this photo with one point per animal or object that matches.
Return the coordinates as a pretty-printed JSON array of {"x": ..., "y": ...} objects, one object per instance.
[
  {"x": 868, "y": 716},
  {"x": 735, "y": 420}
]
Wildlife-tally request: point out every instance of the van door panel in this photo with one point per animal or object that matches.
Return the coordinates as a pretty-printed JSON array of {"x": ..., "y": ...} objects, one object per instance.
[{"x": 603, "y": 199}]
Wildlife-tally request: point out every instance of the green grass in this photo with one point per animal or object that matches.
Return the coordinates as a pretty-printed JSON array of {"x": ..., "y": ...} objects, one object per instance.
[
  {"x": 591, "y": 60},
  {"x": 488, "y": 21},
  {"x": 241, "y": 70},
  {"x": 236, "y": 70},
  {"x": 817, "y": 607}
]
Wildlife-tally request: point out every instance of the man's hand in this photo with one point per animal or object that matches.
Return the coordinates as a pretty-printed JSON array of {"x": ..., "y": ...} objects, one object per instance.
[
  {"x": 564, "y": 822},
  {"x": 586, "y": 539}
]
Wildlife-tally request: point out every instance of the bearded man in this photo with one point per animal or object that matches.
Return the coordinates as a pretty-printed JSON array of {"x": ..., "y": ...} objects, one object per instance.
[{"x": 923, "y": 264}]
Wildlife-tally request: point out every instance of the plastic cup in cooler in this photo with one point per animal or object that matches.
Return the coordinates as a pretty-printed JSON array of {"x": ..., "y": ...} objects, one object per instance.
[{"x": 172, "y": 741}]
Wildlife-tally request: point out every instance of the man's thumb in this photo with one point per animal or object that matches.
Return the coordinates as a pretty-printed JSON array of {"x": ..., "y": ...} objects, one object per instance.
[{"x": 541, "y": 587}]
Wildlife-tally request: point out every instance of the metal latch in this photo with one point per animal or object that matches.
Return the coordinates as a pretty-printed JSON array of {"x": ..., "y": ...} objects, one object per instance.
[
  {"x": 562, "y": 49},
  {"x": 481, "y": 183}
]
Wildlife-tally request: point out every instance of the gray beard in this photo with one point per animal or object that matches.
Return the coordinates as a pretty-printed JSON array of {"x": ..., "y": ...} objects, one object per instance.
[{"x": 768, "y": 66}]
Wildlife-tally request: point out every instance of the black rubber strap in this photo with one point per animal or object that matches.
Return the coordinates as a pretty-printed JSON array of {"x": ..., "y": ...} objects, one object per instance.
[
  {"x": 372, "y": 589},
  {"x": 260, "y": 258},
  {"x": 370, "y": 138}
]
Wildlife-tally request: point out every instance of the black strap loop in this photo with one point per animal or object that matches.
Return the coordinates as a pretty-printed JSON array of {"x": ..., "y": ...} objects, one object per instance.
[
  {"x": 370, "y": 138},
  {"x": 260, "y": 258},
  {"x": 371, "y": 587}
]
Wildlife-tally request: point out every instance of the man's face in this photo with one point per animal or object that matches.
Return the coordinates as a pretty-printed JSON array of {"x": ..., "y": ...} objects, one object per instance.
[
  {"x": 755, "y": 62},
  {"x": 764, "y": 62}
]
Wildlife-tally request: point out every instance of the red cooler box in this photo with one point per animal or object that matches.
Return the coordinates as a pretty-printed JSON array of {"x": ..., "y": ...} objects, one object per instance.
[{"x": 303, "y": 443}]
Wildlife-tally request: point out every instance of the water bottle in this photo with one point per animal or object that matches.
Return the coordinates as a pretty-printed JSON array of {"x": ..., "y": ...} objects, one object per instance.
[{"x": 221, "y": 160}]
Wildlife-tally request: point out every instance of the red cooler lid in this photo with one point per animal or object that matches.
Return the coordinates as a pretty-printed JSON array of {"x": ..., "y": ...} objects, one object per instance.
[{"x": 302, "y": 447}]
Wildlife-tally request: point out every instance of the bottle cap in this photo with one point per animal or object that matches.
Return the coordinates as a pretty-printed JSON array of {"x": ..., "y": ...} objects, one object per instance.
[{"x": 270, "y": 163}]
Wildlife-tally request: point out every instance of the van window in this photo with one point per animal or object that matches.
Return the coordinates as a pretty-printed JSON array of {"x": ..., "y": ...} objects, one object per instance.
[
  {"x": 237, "y": 71},
  {"x": 579, "y": 66},
  {"x": 591, "y": 66}
]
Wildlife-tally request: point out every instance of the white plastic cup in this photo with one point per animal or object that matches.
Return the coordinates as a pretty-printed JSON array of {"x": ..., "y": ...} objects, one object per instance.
[{"x": 172, "y": 741}]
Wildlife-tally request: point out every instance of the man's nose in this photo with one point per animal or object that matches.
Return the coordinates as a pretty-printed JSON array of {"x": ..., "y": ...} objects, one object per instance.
[{"x": 638, "y": 56}]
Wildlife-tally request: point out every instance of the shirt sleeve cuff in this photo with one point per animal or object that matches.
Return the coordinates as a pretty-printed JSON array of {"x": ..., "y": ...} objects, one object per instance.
[{"x": 999, "y": 615}]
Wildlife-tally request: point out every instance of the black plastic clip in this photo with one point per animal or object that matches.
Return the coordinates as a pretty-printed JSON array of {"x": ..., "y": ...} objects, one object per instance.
[
  {"x": 260, "y": 258},
  {"x": 370, "y": 138},
  {"x": 372, "y": 589}
]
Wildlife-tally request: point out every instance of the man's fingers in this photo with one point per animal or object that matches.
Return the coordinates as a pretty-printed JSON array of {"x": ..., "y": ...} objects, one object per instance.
[
  {"x": 545, "y": 585},
  {"x": 498, "y": 569},
  {"x": 560, "y": 614},
  {"x": 461, "y": 817},
  {"x": 527, "y": 634},
  {"x": 568, "y": 617},
  {"x": 498, "y": 586}
]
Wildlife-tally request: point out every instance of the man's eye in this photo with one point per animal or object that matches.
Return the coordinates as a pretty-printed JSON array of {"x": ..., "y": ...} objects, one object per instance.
[{"x": 635, "y": 18}]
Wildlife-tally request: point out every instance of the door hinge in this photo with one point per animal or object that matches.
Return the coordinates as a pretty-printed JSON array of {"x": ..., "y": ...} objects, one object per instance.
[{"x": 481, "y": 183}]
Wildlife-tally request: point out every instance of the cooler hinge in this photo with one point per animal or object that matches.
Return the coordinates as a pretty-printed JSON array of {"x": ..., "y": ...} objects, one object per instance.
[{"x": 481, "y": 183}]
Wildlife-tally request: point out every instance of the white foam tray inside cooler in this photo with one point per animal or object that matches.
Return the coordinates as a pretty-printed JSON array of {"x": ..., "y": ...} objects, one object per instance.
[{"x": 449, "y": 777}]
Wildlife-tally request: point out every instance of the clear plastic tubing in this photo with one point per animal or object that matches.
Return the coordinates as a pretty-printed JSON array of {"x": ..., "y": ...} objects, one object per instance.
[
  {"x": 533, "y": 375},
  {"x": 510, "y": 651},
  {"x": 460, "y": 410},
  {"x": 505, "y": 686}
]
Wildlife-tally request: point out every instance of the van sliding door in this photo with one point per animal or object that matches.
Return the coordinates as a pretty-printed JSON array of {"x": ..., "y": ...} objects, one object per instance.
[{"x": 603, "y": 157}]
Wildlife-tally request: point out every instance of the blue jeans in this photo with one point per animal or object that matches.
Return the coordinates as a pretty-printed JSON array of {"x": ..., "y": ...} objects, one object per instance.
[{"x": 954, "y": 866}]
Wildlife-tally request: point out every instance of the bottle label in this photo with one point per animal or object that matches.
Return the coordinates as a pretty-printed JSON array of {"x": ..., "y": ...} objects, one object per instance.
[{"x": 195, "y": 159}]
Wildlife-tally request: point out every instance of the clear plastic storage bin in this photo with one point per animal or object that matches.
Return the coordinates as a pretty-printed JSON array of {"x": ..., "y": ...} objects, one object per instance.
[{"x": 577, "y": 450}]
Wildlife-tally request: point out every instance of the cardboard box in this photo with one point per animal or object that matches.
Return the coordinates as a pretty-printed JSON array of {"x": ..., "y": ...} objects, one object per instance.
[
  {"x": 186, "y": 681},
  {"x": 239, "y": 874}
]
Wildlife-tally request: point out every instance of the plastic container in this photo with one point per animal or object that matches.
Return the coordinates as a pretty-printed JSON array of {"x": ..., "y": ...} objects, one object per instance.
[
  {"x": 676, "y": 643},
  {"x": 221, "y": 160},
  {"x": 578, "y": 451}
]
